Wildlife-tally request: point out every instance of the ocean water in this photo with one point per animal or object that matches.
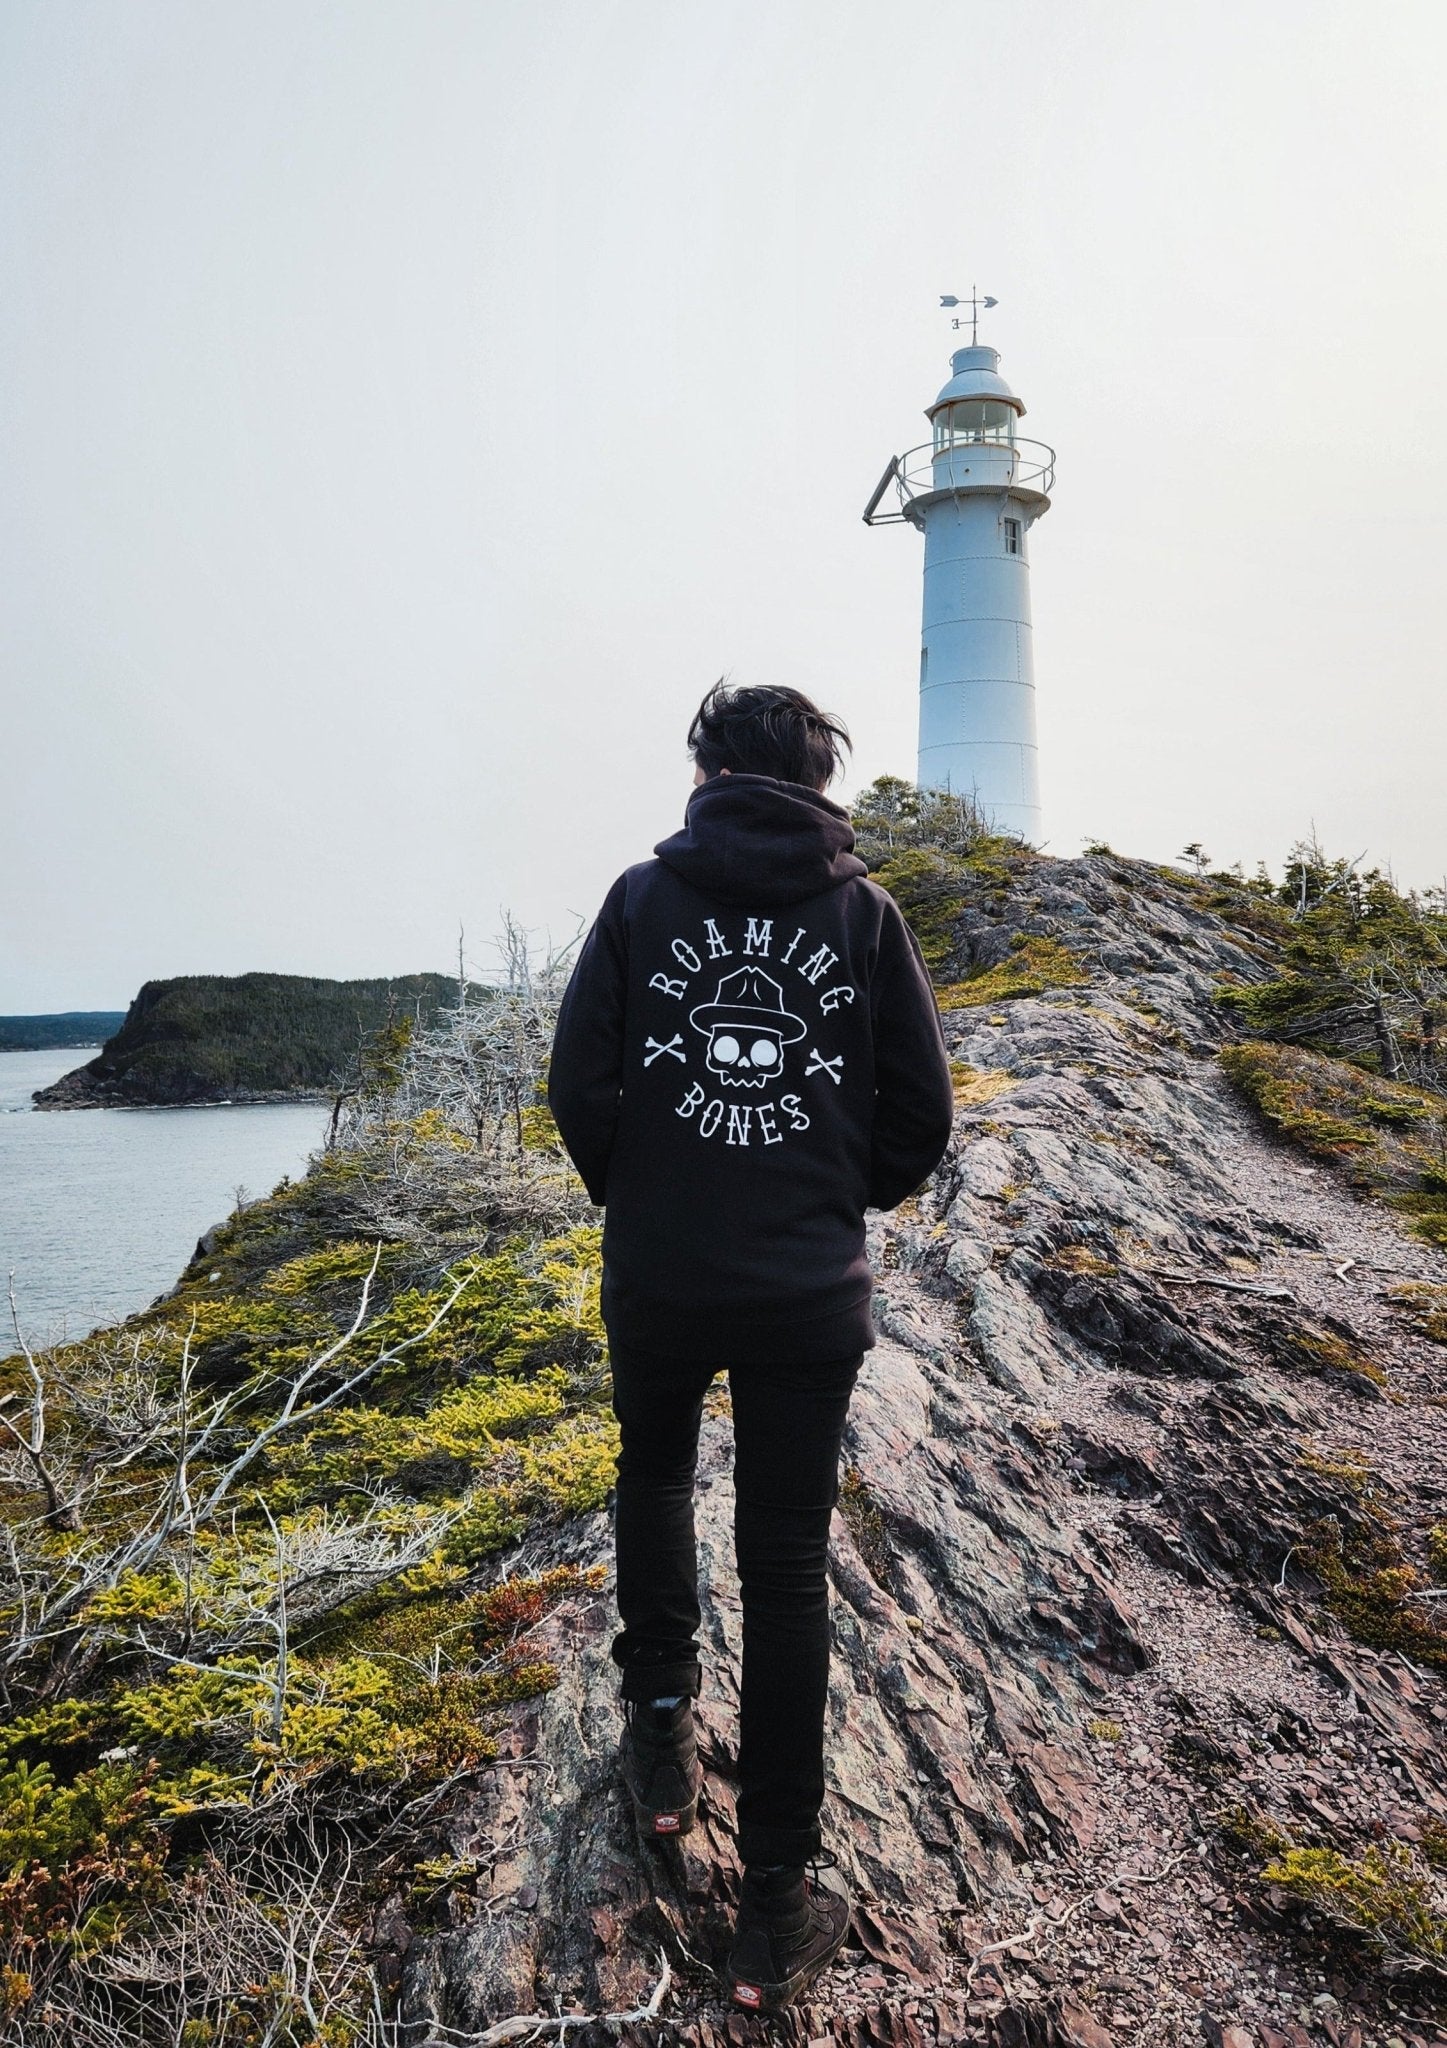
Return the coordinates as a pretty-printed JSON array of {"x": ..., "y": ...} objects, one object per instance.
[{"x": 101, "y": 1208}]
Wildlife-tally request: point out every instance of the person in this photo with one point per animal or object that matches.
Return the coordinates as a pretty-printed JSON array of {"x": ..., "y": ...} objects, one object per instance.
[{"x": 747, "y": 1057}]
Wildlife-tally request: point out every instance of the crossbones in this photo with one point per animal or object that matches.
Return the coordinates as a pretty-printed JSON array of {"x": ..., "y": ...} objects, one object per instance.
[
  {"x": 819, "y": 1065},
  {"x": 674, "y": 1045}
]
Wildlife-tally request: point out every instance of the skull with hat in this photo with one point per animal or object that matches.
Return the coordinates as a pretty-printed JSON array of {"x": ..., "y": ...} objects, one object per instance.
[{"x": 747, "y": 1028}]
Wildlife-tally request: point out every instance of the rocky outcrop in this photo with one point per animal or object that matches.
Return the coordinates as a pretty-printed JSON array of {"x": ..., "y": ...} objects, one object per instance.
[
  {"x": 90, "y": 1087},
  {"x": 1142, "y": 1416}
]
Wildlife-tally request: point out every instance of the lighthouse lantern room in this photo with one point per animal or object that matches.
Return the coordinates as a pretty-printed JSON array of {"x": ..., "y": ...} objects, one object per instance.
[{"x": 975, "y": 489}]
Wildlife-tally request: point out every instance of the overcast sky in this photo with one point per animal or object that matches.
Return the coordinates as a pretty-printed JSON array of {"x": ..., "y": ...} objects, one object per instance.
[{"x": 407, "y": 409}]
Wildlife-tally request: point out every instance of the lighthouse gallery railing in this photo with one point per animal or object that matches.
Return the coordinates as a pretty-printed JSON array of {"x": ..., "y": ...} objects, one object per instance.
[{"x": 1026, "y": 466}]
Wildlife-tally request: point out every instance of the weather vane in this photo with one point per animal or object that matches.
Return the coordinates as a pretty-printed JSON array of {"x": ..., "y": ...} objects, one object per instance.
[{"x": 976, "y": 305}]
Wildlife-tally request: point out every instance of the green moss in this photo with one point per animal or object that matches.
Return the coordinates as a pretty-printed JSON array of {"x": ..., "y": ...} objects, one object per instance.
[
  {"x": 446, "y": 1625},
  {"x": 1426, "y": 1214},
  {"x": 488, "y": 1418},
  {"x": 1035, "y": 964},
  {"x": 867, "y": 1525},
  {"x": 52, "y": 1729},
  {"x": 1402, "y": 1114},
  {"x": 490, "y": 1519},
  {"x": 540, "y": 1130},
  {"x": 1268, "y": 1006},
  {"x": 1370, "y": 1128},
  {"x": 1304, "y": 1348},
  {"x": 931, "y": 888},
  {"x": 329, "y": 1267},
  {"x": 1368, "y": 1583},
  {"x": 523, "y": 1308},
  {"x": 409, "y": 1687},
  {"x": 571, "y": 1469},
  {"x": 434, "y": 1878},
  {"x": 137, "y": 1596},
  {"x": 1353, "y": 1469},
  {"x": 389, "y": 1716},
  {"x": 187, "y": 1707},
  {"x": 1387, "y": 1894}
]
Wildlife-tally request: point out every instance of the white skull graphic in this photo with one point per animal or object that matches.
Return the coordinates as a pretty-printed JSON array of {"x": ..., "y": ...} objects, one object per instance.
[
  {"x": 744, "y": 1058},
  {"x": 747, "y": 1028}
]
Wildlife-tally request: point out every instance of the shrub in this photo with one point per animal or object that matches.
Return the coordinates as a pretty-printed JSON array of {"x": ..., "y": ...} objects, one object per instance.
[
  {"x": 930, "y": 889},
  {"x": 1383, "y": 1894}
]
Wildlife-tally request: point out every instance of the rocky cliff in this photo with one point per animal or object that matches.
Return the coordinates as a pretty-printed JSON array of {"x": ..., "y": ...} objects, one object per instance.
[
  {"x": 1136, "y": 1730},
  {"x": 1142, "y": 1482}
]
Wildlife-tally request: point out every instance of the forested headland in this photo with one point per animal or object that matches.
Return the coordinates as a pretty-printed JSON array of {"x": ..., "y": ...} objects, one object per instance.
[
  {"x": 246, "y": 1038},
  {"x": 55, "y": 1033}
]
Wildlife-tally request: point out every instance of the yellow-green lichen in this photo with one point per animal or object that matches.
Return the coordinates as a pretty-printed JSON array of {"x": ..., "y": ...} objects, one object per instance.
[
  {"x": 1301, "y": 1347},
  {"x": 1033, "y": 966},
  {"x": 976, "y": 1085},
  {"x": 1081, "y": 1258},
  {"x": 1426, "y": 1306}
]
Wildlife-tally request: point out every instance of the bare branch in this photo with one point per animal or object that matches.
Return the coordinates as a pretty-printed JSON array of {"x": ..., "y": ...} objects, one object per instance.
[
  {"x": 534, "y": 2025},
  {"x": 61, "y": 1515}
]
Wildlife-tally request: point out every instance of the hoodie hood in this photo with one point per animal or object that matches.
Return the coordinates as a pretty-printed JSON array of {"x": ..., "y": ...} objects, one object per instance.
[{"x": 747, "y": 838}]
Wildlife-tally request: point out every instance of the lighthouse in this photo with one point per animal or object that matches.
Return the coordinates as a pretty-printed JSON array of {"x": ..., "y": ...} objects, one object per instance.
[{"x": 975, "y": 489}]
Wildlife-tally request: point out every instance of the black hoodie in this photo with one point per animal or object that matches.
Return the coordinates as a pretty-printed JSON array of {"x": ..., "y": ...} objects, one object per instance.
[{"x": 747, "y": 1057}]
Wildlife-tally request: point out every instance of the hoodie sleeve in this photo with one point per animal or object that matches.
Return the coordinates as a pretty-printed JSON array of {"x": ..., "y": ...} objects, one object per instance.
[
  {"x": 585, "y": 1073},
  {"x": 914, "y": 1096}
]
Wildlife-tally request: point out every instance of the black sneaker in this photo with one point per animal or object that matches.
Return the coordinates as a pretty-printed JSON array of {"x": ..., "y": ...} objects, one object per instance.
[
  {"x": 660, "y": 1766},
  {"x": 790, "y": 1928}
]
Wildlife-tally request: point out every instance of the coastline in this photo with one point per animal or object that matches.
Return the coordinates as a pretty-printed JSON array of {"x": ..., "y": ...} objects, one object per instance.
[{"x": 51, "y": 1100}]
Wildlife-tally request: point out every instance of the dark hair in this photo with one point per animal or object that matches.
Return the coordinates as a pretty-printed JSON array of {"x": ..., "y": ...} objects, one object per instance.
[{"x": 767, "y": 732}]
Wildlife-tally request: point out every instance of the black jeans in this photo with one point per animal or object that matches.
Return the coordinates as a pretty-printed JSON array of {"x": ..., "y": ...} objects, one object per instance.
[{"x": 788, "y": 1428}]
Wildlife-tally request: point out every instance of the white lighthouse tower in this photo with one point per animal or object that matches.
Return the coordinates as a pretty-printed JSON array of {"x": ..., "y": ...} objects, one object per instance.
[{"x": 975, "y": 489}]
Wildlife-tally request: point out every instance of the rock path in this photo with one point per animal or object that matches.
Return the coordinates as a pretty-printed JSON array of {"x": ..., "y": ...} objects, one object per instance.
[{"x": 1073, "y": 1622}]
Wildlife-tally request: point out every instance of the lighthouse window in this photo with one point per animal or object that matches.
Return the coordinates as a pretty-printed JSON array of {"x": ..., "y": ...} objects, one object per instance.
[
  {"x": 974, "y": 420},
  {"x": 1012, "y": 536}
]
